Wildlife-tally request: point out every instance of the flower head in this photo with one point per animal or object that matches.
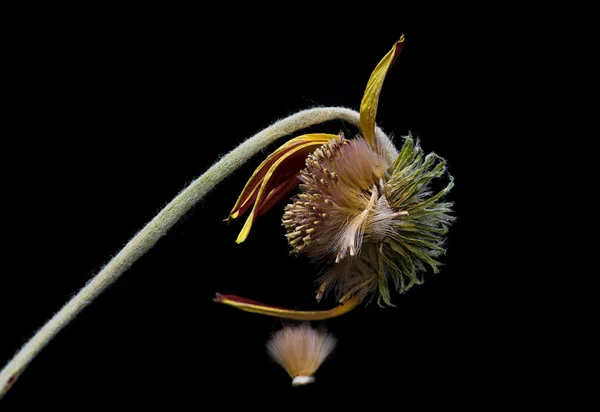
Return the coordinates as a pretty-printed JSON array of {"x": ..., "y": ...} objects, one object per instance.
[{"x": 370, "y": 222}]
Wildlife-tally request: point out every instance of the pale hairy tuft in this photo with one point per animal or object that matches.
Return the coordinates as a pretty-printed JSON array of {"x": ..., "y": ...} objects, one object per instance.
[
  {"x": 339, "y": 192},
  {"x": 300, "y": 350}
]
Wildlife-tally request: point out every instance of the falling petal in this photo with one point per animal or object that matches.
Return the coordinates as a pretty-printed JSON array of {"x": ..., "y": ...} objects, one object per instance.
[{"x": 252, "y": 306}]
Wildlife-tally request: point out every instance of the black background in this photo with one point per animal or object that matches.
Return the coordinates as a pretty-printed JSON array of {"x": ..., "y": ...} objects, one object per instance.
[{"x": 118, "y": 113}]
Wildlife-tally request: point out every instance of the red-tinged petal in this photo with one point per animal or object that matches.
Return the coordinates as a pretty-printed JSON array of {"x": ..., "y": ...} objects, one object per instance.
[
  {"x": 252, "y": 306},
  {"x": 248, "y": 195},
  {"x": 281, "y": 191},
  {"x": 273, "y": 176},
  {"x": 220, "y": 298},
  {"x": 250, "y": 191},
  {"x": 284, "y": 182}
]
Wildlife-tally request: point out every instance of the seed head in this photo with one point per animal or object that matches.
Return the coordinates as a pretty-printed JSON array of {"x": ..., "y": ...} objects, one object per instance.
[{"x": 368, "y": 220}]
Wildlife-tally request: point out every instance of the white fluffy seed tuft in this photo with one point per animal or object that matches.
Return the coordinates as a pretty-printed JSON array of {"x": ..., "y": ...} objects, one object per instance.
[{"x": 301, "y": 350}]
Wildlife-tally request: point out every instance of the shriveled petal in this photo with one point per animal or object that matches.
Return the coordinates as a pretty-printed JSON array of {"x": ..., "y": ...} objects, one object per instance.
[
  {"x": 252, "y": 306},
  {"x": 278, "y": 193},
  {"x": 250, "y": 191},
  {"x": 275, "y": 178},
  {"x": 368, "y": 106}
]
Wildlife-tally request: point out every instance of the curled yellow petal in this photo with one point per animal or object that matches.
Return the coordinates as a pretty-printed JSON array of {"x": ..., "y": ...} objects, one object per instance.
[
  {"x": 368, "y": 106},
  {"x": 248, "y": 195},
  {"x": 299, "y": 146},
  {"x": 248, "y": 305}
]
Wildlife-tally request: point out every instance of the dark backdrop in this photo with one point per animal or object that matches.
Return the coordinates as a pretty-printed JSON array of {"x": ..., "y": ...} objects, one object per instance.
[{"x": 118, "y": 114}]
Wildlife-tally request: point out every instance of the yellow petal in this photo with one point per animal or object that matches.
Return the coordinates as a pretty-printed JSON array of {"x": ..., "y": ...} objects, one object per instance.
[
  {"x": 248, "y": 305},
  {"x": 368, "y": 106},
  {"x": 308, "y": 141},
  {"x": 253, "y": 184}
]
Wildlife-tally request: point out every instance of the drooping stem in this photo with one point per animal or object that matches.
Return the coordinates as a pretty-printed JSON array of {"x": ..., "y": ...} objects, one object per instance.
[
  {"x": 145, "y": 239},
  {"x": 248, "y": 305}
]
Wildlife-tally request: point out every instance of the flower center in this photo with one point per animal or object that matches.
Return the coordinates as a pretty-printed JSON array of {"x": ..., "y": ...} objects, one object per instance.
[{"x": 340, "y": 200}]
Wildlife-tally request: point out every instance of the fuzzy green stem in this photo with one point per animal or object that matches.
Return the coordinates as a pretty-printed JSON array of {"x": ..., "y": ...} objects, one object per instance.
[{"x": 145, "y": 239}]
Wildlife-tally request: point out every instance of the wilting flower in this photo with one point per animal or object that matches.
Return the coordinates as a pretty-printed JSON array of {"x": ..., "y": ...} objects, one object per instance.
[
  {"x": 371, "y": 223},
  {"x": 301, "y": 350}
]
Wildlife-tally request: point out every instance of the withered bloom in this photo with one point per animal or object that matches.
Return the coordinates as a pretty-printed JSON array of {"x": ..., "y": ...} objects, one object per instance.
[
  {"x": 370, "y": 222},
  {"x": 366, "y": 212},
  {"x": 373, "y": 222}
]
